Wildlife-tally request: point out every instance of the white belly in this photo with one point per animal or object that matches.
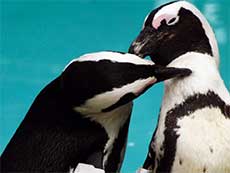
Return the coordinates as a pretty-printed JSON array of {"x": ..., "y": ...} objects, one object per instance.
[{"x": 203, "y": 145}]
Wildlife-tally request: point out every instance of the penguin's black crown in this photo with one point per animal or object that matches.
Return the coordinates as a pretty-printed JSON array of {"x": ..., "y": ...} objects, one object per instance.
[{"x": 172, "y": 30}]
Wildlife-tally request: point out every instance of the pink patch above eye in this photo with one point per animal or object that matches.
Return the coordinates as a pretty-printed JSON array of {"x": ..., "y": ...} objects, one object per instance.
[{"x": 157, "y": 22}]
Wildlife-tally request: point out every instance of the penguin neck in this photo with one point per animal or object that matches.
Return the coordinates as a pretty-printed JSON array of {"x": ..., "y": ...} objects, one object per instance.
[
  {"x": 112, "y": 122},
  {"x": 205, "y": 77}
]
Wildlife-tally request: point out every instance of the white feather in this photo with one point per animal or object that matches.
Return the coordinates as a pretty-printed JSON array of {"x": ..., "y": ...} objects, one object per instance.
[
  {"x": 203, "y": 142},
  {"x": 112, "y": 56},
  {"x": 112, "y": 123}
]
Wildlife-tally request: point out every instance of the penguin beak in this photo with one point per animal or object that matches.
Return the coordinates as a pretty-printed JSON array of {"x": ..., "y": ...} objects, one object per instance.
[
  {"x": 163, "y": 73},
  {"x": 145, "y": 43}
]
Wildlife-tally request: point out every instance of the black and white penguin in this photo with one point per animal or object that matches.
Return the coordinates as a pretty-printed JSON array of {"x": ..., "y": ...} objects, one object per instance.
[
  {"x": 83, "y": 115},
  {"x": 192, "y": 134}
]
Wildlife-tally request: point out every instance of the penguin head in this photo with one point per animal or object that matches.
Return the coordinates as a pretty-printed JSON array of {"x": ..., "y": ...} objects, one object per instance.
[
  {"x": 172, "y": 30},
  {"x": 103, "y": 81}
]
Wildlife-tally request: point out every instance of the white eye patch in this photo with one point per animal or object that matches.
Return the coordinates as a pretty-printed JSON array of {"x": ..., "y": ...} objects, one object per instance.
[
  {"x": 169, "y": 13},
  {"x": 170, "y": 20}
]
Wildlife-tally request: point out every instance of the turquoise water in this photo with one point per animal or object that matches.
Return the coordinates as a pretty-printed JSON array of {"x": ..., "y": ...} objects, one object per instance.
[{"x": 38, "y": 38}]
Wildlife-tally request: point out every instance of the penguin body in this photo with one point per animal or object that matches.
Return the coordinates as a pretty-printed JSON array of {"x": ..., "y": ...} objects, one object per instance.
[
  {"x": 83, "y": 115},
  {"x": 192, "y": 131}
]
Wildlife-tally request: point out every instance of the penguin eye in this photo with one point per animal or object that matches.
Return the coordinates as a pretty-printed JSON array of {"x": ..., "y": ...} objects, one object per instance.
[
  {"x": 167, "y": 18},
  {"x": 172, "y": 21}
]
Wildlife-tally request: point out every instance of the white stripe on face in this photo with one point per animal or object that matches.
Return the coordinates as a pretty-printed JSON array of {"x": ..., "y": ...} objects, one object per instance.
[
  {"x": 112, "y": 56},
  {"x": 105, "y": 100}
]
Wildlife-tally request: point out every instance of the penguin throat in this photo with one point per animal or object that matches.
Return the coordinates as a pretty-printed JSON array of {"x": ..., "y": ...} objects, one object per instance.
[
  {"x": 112, "y": 122},
  {"x": 205, "y": 76}
]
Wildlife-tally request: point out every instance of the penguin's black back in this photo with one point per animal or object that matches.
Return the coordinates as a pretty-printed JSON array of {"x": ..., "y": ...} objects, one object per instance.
[{"x": 52, "y": 136}]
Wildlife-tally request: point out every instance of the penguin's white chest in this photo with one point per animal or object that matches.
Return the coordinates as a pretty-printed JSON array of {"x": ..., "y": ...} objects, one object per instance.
[
  {"x": 203, "y": 144},
  {"x": 112, "y": 122}
]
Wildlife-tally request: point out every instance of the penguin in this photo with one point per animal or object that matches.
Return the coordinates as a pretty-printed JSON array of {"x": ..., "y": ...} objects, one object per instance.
[
  {"x": 83, "y": 115},
  {"x": 192, "y": 133}
]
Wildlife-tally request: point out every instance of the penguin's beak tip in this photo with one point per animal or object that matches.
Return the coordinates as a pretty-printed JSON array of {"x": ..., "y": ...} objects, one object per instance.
[{"x": 187, "y": 72}]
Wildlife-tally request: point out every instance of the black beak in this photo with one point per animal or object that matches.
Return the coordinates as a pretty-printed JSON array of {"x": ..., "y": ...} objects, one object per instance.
[
  {"x": 144, "y": 44},
  {"x": 163, "y": 73}
]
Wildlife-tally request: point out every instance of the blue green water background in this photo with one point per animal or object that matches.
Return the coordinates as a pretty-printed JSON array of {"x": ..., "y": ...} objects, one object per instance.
[{"x": 38, "y": 38}]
